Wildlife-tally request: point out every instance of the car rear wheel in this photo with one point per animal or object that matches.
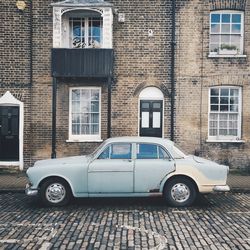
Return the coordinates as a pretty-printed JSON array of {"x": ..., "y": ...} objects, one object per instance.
[
  {"x": 55, "y": 192},
  {"x": 180, "y": 192}
]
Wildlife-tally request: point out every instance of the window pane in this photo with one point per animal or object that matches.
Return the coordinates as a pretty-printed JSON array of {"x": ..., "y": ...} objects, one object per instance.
[
  {"x": 76, "y": 29},
  {"x": 225, "y": 39},
  {"x": 234, "y": 100},
  {"x": 121, "y": 151},
  {"x": 236, "y": 18},
  {"x": 76, "y": 95},
  {"x": 213, "y": 132},
  {"x": 234, "y": 92},
  {"x": 94, "y": 118},
  {"x": 214, "y": 100},
  {"x": 225, "y": 28},
  {"x": 236, "y": 28},
  {"x": 223, "y": 132},
  {"x": 147, "y": 151},
  {"x": 95, "y": 95},
  {"x": 223, "y": 107},
  {"x": 224, "y": 92},
  {"x": 94, "y": 106},
  {"x": 85, "y": 130},
  {"x": 95, "y": 129},
  {"x": 215, "y": 38},
  {"x": 224, "y": 100},
  {"x": 215, "y": 92},
  {"x": 235, "y": 39},
  {"x": 213, "y": 124},
  {"x": 214, "y": 107},
  {"x": 76, "y": 129},
  {"x": 76, "y": 118},
  {"x": 214, "y": 47},
  {"x": 156, "y": 105},
  {"x": 215, "y": 28},
  {"x": 145, "y": 105},
  {"x": 234, "y": 108},
  {"x": 215, "y": 18},
  {"x": 233, "y": 124},
  {"x": 85, "y": 107},
  {"x": 85, "y": 118},
  {"x": 75, "y": 107},
  {"x": 225, "y": 18}
]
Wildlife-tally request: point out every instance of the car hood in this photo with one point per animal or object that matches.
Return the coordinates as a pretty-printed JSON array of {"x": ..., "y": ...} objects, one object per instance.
[{"x": 62, "y": 161}]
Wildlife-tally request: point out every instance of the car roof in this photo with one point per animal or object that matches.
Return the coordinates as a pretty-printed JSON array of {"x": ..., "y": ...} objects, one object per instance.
[{"x": 139, "y": 139}]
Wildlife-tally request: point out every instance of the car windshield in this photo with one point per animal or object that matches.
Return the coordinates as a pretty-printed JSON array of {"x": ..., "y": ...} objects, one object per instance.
[{"x": 178, "y": 153}]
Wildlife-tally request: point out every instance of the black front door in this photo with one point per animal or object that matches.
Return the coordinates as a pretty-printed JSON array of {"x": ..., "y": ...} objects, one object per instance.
[
  {"x": 151, "y": 118},
  {"x": 9, "y": 133}
]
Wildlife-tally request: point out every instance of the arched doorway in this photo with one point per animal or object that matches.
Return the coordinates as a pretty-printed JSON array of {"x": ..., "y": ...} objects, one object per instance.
[
  {"x": 11, "y": 131},
  {"x": 151, "y": 112}
]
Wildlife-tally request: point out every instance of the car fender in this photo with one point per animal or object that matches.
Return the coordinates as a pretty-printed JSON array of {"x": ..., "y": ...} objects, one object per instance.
[
  {"x": 57, "y": 176},
  {"x": 178, "y": 173}
]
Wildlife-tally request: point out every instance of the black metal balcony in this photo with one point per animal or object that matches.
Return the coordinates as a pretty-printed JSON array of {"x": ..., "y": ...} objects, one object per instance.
[{"x": 82, "y": 62}]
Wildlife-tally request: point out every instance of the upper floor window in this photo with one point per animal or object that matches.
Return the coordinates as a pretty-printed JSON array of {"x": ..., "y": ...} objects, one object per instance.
[
  {"x": 85, "y": 32},
  {"x": 226, "y": 32},
  {"x": 82, "y": 24},
  {"x": 225, "y": 113}
]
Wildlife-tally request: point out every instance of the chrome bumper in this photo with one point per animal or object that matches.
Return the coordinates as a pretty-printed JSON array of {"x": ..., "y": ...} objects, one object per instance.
[
  {"x": 29, "y": 191},
  {"x": 224, "y": 188}
]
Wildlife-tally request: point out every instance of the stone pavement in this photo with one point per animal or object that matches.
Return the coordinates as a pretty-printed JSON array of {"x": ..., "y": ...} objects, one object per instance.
[
  {"x": 216, "y": 221},
  {"x": 18, "y": 181}
]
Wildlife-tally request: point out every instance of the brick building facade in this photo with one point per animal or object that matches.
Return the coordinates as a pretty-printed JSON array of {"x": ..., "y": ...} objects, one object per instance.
[{"x": 73, "y": 73}]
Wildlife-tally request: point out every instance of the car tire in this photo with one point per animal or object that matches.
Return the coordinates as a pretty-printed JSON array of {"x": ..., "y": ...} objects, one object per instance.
[
  {"x": 55, "y": 192},
  {"x": 180, "y": 192}
]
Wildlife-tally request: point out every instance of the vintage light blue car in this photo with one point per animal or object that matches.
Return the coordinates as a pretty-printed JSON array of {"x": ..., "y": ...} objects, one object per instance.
[{"x": 127, "y": 167}]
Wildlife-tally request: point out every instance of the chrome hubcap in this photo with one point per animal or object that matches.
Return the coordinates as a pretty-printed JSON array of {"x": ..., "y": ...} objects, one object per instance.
[
  {"x": 55, "y": 193},
  {"x": 180, "y": 192}
]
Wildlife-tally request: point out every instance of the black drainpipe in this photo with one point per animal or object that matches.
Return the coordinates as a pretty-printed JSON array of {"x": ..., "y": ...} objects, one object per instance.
[
  {"x": 54, "y": 92},
  {"x": 172, "y": 125},
  {"x": 31, "y": 41},
  {"x": 31, "y": 74}
]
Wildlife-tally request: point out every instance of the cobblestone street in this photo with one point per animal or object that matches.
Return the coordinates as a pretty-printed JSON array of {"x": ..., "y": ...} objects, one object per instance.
[{"x": 216, "y": 221}]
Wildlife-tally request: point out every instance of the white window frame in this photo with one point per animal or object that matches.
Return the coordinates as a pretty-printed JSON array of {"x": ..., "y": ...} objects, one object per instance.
[
  {"x": 242, "y": 31},
  {"x": 85, "y": 20},
  {"x": 227, "y": 138},
  {"x": 89, "y": 137}
]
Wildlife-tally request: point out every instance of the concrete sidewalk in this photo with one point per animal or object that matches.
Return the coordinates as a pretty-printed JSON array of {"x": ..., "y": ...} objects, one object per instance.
[{"x": 17, "y": 182}]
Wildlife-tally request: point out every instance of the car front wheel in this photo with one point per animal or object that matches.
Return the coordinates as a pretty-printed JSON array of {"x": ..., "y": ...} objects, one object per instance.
[
  {"x": 55, "y": 192},
  {"x": 180, "y": 192}
]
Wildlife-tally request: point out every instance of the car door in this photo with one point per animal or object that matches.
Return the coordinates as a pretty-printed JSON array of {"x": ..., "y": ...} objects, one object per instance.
[
  {"x": 112, "y": 171},
  {"x": 152, "y": 164}
]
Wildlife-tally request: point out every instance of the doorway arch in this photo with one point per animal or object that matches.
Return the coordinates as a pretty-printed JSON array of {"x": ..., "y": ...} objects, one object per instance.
[
  {"x": 11, "y": 130},
  {"x": 151, "y": 106}
]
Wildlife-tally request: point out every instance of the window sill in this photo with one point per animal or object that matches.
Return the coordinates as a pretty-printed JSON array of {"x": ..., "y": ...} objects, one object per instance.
[
  {"x": 84, "y": 140},
  {"x": 225, "y": 141},
  {"x": 226, "y": 56}
]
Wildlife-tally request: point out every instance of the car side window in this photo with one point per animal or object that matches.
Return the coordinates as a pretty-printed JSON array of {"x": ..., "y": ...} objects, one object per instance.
[
  {"x": 163, "y": 154},
  {"x": 117, "y": 151},
  {"x": 104, "y": 154},
  {"x": 150, "y": 151},
  {"x": 121, "y": 151},
  {"x": 146, "y": 151}
]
